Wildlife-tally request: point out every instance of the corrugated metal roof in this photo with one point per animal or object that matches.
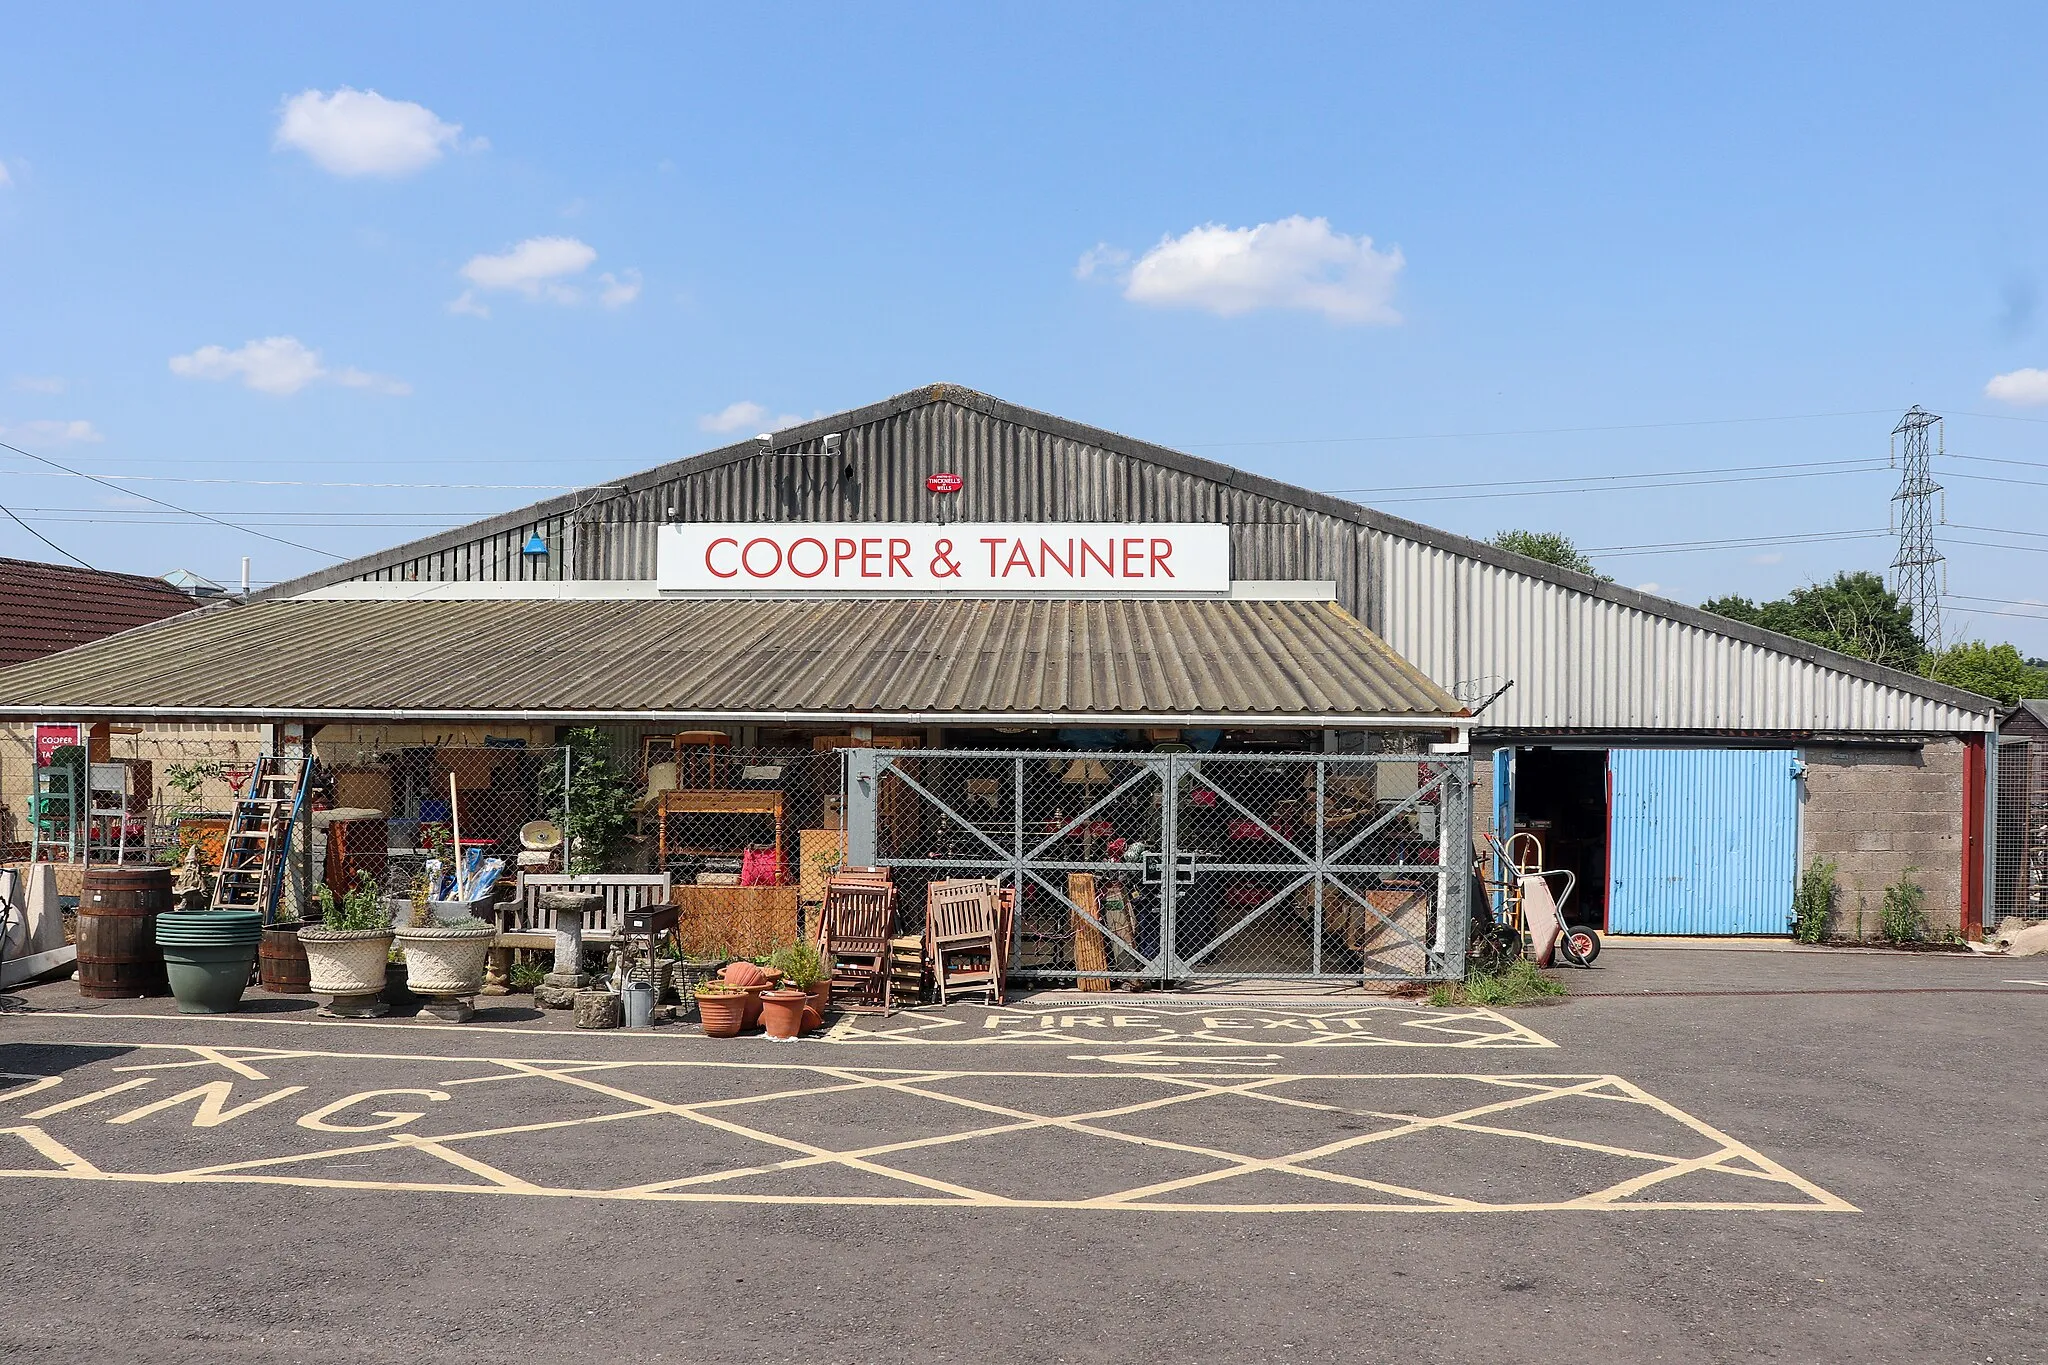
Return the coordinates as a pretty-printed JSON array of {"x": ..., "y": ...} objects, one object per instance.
[
  {"x": 48, "y": 607},
  {"x": 1227, "y": 660}
]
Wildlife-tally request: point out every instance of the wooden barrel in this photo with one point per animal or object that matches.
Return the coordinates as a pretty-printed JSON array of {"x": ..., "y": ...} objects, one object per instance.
[
  {"x": 285, "y": 971},
  {"x": 117, "y": 954}
]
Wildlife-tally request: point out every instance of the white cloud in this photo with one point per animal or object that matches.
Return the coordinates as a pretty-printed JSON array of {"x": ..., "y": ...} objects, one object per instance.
[
  {"x": 2023, "y": 388},
  {"x": 6, "y": 180},
  {"x": 349, "y": 377},
  {"x": 272, "y": 365},
  {"x": 359, "y": 132},
  {"x": 39, "y": 383},
  {"x": 1296, "y": 263},
  {"x": 534, "y": 266},
  {"x": 1649, "y": 587},
  {"x": 1102, "y": 256},
  {"x": 1768, "y": 557},
  {"x": 279, "y": 365},
  {"x": 543, "y": 268},
  {"x": 51, "y": 433},
  {"x": 744, "y": 415},
  {"x": 620, "y": 289}
]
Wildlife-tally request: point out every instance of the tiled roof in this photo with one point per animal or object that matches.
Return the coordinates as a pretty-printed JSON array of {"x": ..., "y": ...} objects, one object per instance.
[{"x": 48, "y": 607}]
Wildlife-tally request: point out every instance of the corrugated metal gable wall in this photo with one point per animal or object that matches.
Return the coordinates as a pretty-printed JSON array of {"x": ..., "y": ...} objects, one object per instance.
[
  {"x": 1583, "y": 662},
  {"x": 1011, "y": 473},
  {"x": 1577, "y": 660}
]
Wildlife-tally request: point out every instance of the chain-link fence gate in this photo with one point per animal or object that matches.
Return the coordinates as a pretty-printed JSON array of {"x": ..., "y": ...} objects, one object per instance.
[
  {"x": 2020, "y": 880},
  {"x": 1171, "y": 867}
]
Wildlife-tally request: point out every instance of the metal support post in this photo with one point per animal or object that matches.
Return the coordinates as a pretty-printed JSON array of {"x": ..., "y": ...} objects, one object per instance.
[
  {"x": 1454, "y": 862},
  {"x": 863, "y": 789}
]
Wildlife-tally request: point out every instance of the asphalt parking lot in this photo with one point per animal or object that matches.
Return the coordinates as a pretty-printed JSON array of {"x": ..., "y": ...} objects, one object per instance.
[{"x": 1702, "y": 1154}]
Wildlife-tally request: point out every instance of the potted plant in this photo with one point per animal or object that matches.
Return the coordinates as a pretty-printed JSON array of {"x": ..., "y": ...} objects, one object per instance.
[
  {"x": 347, "y": 952},
  {"x": 693, "y": 970},
  {"x": 803, "y": 967},
  {"x": 722, "y": 1007},
  {"x": 445, "y": 960}
]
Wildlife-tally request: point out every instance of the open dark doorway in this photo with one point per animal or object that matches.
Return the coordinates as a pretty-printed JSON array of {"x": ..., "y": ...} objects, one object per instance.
[{"x": 1561, "y": 798}]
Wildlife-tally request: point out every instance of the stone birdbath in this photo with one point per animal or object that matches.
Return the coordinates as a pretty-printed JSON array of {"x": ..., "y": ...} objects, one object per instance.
[{"x": 570, "y": 910}]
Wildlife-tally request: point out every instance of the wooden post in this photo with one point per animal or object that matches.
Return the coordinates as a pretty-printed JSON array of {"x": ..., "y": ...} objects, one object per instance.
[{"x": 1091, "y": 949}]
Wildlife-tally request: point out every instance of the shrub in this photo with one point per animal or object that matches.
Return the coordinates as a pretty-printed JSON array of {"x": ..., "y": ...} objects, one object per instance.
[
  {"x": 361, "y": 909},
  {"x": 800, "y": 963},
  {"x": 1813, "y": 902},
  {"x": 1902, "y": 915}
]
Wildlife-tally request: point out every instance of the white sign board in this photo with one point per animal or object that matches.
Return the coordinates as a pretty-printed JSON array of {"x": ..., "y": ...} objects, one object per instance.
[{"x": 969, "y": 557}]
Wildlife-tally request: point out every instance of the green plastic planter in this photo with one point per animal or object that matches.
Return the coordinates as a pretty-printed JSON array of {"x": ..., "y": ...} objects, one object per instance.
[{"x": 210, "y": 956}]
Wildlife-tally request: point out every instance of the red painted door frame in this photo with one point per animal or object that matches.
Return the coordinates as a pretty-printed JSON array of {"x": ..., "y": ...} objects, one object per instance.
[{"x": 1973, "y": 837}]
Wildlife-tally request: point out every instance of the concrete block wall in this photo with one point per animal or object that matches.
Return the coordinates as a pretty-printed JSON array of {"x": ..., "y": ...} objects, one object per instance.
[{"x": 1876, "y": 812}]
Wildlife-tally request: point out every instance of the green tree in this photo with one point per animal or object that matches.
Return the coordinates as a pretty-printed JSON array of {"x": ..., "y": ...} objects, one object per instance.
[
  {"x": 1854, "y": 613},
  {"x": 1989, "y": 671},
  {"x": 601, "y": 795},
  {"x": 1551, "y": 548}
]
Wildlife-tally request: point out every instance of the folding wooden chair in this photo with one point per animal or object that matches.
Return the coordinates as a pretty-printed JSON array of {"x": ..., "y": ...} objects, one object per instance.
[
  {"x": 855, "y": 925},
  {"x": 962, "y": 942},
  {"x": 1006, "y": 922}
]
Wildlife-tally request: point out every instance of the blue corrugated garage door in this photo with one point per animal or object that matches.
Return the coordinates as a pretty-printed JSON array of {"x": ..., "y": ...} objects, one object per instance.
[{"x": 1702, "y": 841}]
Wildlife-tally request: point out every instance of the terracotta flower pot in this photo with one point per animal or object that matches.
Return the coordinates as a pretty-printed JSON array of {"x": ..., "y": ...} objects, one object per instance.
[
  {"x": 744, "y": 974},
  {"x": 772, "y": 975},
  {"x": 753, "y": 1005},
  {"x": 821, "y": 998},
  {"x": 723, "y": 1016},
  {"x": 782, "y": 1012},
  {"x": 813, "y": 1021}
]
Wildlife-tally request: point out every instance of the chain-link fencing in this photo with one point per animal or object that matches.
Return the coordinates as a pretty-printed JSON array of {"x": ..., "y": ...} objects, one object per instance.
[
  {"x": 1169, "y": 867},
  {"x": 2020, "y": 880}
]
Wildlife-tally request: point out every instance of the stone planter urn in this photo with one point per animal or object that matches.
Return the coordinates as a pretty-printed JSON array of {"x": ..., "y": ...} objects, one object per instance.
[
  {"x": 446, "y": 963},
  {"x": 348, "y": 965}
]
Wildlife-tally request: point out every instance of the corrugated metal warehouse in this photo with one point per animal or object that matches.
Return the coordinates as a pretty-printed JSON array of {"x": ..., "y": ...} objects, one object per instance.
[{"x": 1683, "y": 765}]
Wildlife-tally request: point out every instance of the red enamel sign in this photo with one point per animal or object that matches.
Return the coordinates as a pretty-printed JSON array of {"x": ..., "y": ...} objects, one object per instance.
[{"x": 943, "y": 483}]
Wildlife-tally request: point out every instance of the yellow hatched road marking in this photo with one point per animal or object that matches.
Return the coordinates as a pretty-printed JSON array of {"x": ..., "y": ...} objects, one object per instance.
[{"x": 727, "y": 1114}]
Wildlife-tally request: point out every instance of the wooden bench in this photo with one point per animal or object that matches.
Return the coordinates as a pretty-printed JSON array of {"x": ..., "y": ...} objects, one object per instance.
[{"x": 534, "y": 927}]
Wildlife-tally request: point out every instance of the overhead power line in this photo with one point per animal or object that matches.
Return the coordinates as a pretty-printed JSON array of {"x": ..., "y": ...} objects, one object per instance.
[
  {"x": 1535, "y": 431},
  {"x": 1860, "y": 467},
  {"x": 45, "y": 539},
  {"x": 1743, "y": 543},
  {"x": 2001, "y": 601},
  {"x": 218, "y": 521},
  {"x": 296, "y": 483}
]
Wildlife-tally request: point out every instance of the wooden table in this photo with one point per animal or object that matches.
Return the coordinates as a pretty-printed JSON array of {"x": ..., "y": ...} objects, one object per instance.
[{"x": 765, "y": 803}]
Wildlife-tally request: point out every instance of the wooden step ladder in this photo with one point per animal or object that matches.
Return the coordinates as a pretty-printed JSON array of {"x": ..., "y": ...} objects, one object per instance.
[{"x": 260, "y": 836}]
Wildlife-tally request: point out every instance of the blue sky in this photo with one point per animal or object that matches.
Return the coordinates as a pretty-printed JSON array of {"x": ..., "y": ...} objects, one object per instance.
[{"x": 1295, "y": 238}]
